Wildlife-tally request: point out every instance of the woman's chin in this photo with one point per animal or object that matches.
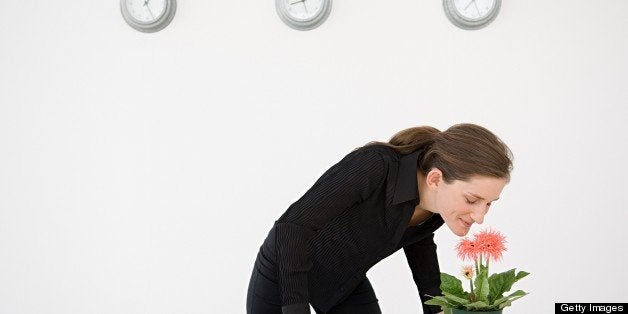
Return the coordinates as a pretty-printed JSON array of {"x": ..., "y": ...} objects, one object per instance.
[{"x": 462, "y": 233}]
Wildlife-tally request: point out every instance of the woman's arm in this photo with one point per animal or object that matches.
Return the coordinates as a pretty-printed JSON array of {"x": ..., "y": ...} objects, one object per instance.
[
  {"x": 423, "y": 262},
  {"x": 350, "y": 181}
]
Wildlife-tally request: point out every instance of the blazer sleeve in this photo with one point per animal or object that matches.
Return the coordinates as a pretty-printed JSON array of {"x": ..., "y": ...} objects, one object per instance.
[
  {"x": 423, "y": 262},
  {"x": 350, "y": 181}
]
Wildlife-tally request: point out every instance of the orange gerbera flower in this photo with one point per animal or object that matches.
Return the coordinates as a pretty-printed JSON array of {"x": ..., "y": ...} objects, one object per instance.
[
  {"x": 467, "y": 249},
  {"x": 467, "y": 271},
  {"x": 490, "y": 244}
]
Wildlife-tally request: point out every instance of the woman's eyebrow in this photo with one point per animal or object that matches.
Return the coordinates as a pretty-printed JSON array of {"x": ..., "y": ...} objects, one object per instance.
[{"x": 479, "y": 197}]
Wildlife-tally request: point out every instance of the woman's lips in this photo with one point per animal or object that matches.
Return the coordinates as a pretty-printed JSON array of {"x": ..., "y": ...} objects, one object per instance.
[{"x": 466, "y": 224}]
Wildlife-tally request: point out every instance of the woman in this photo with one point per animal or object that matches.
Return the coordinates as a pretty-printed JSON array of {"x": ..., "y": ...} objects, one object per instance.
[{"x": 378, "y": 199}]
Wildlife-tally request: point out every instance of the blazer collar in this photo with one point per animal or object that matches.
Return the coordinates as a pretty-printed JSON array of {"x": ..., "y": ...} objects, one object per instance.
[{"x": 406, "y": 186}]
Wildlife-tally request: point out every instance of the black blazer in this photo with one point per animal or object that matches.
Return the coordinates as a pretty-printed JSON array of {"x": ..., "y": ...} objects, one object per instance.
[{"x": 356, "y": 214}]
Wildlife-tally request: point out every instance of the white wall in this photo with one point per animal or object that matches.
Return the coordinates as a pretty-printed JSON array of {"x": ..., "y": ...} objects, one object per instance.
[{"x": 139, "y": 173}]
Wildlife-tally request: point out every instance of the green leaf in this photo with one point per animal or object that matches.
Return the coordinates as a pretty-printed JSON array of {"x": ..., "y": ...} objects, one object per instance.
[
  {"x": 479, "y": 305},
  {"x": 451, "y": 285},
  {"x": 502, "y": 283},
  {"x": 439, "y": 301},
  {"x": 521, "y": 274},
  {"x": 455, "y": 299},
  {"x": 482, "y": 286},
  {"x": 499, "y": 284},
  {"x": 509, "y": 302},
  {"x": 509, "y": 298},
  {"x": 483, "y": 268}
]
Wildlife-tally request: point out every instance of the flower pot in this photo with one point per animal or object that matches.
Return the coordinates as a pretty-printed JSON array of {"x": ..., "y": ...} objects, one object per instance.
[{"x": 456, "y": 311}]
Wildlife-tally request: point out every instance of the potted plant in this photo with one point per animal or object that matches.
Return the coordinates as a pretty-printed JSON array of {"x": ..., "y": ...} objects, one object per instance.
[{"x": 487, "y": 293}]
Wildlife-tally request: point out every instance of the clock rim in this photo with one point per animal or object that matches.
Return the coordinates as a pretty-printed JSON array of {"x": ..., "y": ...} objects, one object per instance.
[
  {"x": 150, "y": 27},
  {"x": 463, "y": 22},
  {"x": 303, "y": 24}
]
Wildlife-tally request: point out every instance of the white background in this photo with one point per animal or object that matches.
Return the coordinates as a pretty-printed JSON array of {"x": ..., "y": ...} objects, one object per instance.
[{"x": 139, "y": 173}]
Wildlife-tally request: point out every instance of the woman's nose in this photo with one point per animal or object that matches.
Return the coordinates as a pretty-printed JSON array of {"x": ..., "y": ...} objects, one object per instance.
[{"x": 478, "y": 215}]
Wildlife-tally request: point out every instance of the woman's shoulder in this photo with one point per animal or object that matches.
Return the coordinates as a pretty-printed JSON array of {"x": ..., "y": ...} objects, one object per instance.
[{"x": 371, "y": 149}]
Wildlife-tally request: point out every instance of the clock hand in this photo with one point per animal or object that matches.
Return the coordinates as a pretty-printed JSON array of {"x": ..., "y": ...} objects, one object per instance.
[
  {"x": 470, "y": 2},
  {"x": 476, "y": 8},
  {"x": 151, "y": 12},
  {"x": 305, "y": 7},
  {"x": 293, "y": 3}
]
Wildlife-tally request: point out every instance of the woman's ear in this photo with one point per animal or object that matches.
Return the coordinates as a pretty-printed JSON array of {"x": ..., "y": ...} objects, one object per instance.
[{"x": 434, "y": 178}]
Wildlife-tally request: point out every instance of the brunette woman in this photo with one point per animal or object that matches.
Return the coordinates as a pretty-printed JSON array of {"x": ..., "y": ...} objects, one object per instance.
[{"x": 378, "y": 199}]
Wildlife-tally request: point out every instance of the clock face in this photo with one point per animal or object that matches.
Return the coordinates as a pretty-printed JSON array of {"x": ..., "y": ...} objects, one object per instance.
[
  {"x": 471, "y": 14},
  {"x": 474, "y": 9},
  {"x": 146, "y": 11},
  {"x": 303, "y": 15},
  {"x": 303, "y": 9},
  {"x": 148, "y": 16}
]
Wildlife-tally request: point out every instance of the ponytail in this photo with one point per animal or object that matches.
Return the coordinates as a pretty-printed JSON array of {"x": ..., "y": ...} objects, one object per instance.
[
  {"x": 460, "y": 152},
  {"x": 409, "y": 140}
]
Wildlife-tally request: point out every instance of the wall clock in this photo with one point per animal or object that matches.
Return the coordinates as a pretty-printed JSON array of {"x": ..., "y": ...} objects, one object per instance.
[
  {"x": 303, "y": 15},
  {"x": 471, "y": 14},
  {"x": 148, "y": 16}
]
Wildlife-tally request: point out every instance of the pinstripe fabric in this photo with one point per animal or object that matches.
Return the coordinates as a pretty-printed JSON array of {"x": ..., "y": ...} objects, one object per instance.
[{"x": 354, "y": 215}]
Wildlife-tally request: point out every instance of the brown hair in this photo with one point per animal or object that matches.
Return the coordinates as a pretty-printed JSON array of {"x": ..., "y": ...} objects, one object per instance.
[{"x": 460, "y": 152}]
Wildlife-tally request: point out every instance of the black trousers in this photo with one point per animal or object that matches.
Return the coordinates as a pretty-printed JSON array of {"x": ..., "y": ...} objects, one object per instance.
[{"x": 263, "y": 293}]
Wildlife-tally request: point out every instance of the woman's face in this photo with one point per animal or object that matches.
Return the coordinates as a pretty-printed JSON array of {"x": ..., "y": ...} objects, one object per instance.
[{"x": 463, "y": 203}]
